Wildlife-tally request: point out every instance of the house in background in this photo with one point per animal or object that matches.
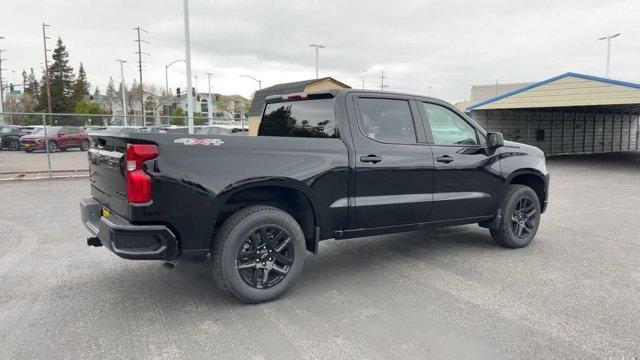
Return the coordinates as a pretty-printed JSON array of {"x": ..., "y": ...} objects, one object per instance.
[{"x": 257, "y": 105}]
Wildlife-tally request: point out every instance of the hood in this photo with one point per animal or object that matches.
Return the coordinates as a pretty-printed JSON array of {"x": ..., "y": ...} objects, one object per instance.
[
  {"x": 35, "y": 136},
  {"x": 529, "y": 149}
]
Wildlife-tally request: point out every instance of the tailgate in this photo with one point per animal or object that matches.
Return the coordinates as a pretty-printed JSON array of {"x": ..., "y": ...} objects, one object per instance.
[{"x": 106, "y": 172}]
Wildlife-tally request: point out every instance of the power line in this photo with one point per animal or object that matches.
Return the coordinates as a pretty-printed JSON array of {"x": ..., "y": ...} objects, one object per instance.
[{"x": 139, "y": 40}]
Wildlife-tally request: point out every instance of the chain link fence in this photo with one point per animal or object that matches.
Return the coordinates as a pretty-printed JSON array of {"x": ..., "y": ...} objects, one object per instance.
[{"x": 40, "y": 145}]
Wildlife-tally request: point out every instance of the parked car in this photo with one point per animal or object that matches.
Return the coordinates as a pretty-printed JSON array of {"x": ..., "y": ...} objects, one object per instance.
[
  {"x": 223, "y": 129},
  {"x": 337, "y": 164},
  {"x": 10, "y": 137},
  {"x": 60, "y": 138}
]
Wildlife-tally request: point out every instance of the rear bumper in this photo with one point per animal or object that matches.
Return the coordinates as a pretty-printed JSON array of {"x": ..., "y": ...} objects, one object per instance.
[{"x": 129, "y": 241}]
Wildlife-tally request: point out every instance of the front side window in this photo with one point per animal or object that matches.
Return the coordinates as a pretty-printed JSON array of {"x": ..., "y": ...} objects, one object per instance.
[
  {"x": 386, "y": 120},
  {"x": 448, "y": 128},
  {"x": 305, "y": 118}
]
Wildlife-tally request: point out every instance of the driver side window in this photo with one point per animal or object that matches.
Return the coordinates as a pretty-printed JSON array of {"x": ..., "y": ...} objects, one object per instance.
[{"x": 448, "y": 128}]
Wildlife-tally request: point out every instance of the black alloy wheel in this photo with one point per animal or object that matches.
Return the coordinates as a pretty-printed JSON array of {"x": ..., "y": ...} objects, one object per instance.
[
  {"x": 523, "y": 217},
  {"x": 265, "y": 257}
]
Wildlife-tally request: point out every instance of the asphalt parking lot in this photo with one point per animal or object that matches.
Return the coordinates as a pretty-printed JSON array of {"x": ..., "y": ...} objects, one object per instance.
[
  {"x": 449, "y": 293},
  {"x": 20, "y": 161}
]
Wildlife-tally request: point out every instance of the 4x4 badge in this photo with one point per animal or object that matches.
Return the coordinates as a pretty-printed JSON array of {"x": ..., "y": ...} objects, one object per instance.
[{"x": 193, "y": 141}]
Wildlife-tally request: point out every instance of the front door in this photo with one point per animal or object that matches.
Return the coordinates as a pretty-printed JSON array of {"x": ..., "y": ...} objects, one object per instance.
[
  {"x": 393, "y": 163},
  {"x": 467, "y": 175}
]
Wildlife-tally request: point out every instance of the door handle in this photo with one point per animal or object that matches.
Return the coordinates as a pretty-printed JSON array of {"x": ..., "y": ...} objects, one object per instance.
[
  {"x": 374, "y": 159},
  {"x": 444, "y": 159}
]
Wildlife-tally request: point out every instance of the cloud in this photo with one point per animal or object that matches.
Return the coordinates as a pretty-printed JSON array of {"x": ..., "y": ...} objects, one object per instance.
[{"x": 448, "y": 46}]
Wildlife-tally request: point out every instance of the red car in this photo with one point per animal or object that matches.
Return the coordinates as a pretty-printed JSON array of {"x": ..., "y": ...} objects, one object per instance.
[{"x": 60, "y": 138}]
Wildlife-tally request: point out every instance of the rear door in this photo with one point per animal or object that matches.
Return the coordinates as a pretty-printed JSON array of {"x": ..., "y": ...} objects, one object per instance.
[
  {"x": 394, "y": 165},
  {"x": 467, "y": 175}
]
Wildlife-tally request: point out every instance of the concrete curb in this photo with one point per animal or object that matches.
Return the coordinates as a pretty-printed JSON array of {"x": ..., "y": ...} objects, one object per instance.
[{"x": 43, "y": 175}]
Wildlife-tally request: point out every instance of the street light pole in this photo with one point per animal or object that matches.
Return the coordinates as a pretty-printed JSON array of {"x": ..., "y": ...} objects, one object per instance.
[
  {"x": 123, "y": 89},
  {"x": 258, "y": 81},
  {"x": 210, "y": 102},
  {"x": 166, "y": 74},
  {"x": 187, "y": 56},
  {"x": 608, "y": 38},
  {"x": 317, "y": 46},
  {"x": 46, "y": 67},
  {"x": 363, "y": 71}
]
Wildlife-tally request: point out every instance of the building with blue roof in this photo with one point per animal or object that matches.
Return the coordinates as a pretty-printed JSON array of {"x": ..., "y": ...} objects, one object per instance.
[{"x": 566, "y": 114}]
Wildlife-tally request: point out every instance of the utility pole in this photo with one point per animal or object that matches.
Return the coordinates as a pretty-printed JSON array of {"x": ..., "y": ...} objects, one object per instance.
[
  {"x": 46, "y": 67},
  {"x": 382, "y": 85},
  {"x": 1, "y": 89},
  {"x": 210, "y": 103},
  {"x": 140, "y": 53},
  {"x": 363, "y": 71},
  {"x": 429, "y": 87},
  {"x": 317, "y": 46},
  {"x": 608, "y": 38},
  {"x": 123, "y": 88}
]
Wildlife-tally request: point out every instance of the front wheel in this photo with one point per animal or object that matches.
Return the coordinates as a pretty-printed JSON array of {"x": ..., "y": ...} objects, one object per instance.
[
  {"x": 53, "y": 146},
  {"x": 520, "y": 217},
  {"x": 258, "y": 253},
  {"x": 84, "y": 146}
]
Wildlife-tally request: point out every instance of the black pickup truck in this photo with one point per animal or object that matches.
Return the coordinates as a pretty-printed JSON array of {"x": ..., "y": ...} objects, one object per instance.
[{"x": 329, "y": 165}]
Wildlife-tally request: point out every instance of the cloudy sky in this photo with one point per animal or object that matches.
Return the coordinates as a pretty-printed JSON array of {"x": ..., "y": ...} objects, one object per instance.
[{"x": 445, "y": 45}]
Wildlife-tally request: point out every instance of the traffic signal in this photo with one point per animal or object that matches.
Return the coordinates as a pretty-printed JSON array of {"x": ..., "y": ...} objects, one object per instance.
[
  {"x": 10, "y": 87},
  {"x": 193, "y": 91},
  {"x": 177, "y": 91}
]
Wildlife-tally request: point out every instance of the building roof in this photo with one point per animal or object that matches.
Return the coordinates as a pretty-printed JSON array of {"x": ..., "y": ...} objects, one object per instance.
[
  {"x": 568, "y": 89},
  {"x": 257, "y": 104}
]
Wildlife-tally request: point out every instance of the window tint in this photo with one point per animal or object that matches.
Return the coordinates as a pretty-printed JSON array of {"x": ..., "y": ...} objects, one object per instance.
[
  {"x": 306, "y": 118},
  {"x": 386, "y": 120},
  {"x": 448, "y": 128}
]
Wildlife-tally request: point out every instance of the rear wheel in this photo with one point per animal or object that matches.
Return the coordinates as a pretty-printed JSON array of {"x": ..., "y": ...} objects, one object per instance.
[
  {"x": 14, "y": 145},
  {"x": 84, "y": 146},
  {"x": 520, "y": 217},
  {"x": 258, "y": 254}
]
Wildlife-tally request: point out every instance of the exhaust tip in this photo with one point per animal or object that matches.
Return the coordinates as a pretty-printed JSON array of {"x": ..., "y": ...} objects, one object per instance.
[
  {"x": 94, "y": 241},
  {"x": 169, "y": 265}
]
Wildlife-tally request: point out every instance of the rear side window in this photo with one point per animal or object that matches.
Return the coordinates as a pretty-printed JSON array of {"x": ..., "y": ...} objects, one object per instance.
[
  {"x": 305, "y": 118},
  {"x": 386, "y": 120}
]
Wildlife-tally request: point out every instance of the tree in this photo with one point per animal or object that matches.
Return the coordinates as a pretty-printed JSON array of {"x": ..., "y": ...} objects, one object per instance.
[
  {"x": 96, "y": 93},
  {"x": 85, "y": 106},
  {"x": 30, "y": 83},
  {"x": 81, "y": 86},
  {"x": 61, "y": 80}
]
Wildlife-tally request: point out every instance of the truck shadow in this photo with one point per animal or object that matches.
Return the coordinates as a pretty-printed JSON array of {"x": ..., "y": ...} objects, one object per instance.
[{"x": 336, "y": 263}]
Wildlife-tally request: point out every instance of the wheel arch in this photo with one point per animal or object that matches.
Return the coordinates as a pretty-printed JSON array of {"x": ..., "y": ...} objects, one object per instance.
[
  {"x": 531, "y": 178},
  {"x": 286, "y": 194}
]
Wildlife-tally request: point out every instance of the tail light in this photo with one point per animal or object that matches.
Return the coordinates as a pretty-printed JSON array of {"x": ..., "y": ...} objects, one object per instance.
[{"x": 138, "y": 182}]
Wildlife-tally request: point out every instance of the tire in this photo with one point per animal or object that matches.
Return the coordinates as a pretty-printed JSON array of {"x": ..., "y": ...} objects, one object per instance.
[
  {"x": 242, "y": 233},
  {"x": 520, "y": 217},
  {"x": 14, "y": 145},
  {"x": 84, "y": 145},
  {"x": 53, "y": 146}
]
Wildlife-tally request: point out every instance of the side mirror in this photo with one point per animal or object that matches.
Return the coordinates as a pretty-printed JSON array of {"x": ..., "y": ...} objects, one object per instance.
[{"x": 495, "y": 140}]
